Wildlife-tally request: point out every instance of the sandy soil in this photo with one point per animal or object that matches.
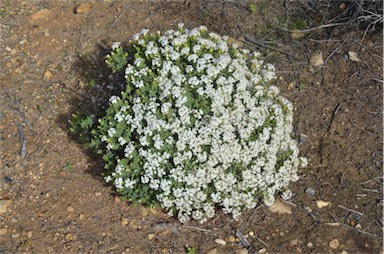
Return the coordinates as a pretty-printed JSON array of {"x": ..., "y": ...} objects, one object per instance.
[{"x": 53, "y": 199}]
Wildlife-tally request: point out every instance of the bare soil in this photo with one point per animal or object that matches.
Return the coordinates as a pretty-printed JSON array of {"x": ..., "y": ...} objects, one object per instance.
[{"x": 57, "y": 201}]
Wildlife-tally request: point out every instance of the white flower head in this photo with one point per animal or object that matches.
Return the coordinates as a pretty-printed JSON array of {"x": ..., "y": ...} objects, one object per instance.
[{"x": 116, "y": 45}]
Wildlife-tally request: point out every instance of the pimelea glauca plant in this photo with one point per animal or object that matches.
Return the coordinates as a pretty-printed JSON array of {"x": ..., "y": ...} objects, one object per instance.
[{"x": 198, "y": 126}]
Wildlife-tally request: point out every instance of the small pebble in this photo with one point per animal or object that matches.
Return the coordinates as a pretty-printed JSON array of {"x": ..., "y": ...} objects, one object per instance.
[
  {"x": 116, "y": 199},
  {"x": 4, "y": 205},
  {"x": 261, "y": 251},
  {"x": 82, "y": 8},
  {"x": 251, "y": 233},
  {"x": 150, "y": 236},
  {"x": 213, "y": 251},
  {"x": 310, "y": 191},
  {"x": 221, "y": 242},
  {"x": 3, "y": 231},
  {"x": 15, "y": 235},
  {"x": 334, "y": 244},
  {"x": 231, "y": 239},
  {"x": 70, "y": 209},
  {"x": 242, "y": 251},
  {"x": 310, "y": 245},
  {"x": 124, "y": 221},
  {"x": 81, "y": 216},
  {"x": 322, "y": 204},
  {"x": 97, "y": 194},
  {"x": 29, "y": 234}
]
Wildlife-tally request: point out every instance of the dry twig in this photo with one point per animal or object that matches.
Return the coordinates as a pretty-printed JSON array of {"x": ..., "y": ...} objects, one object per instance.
[
  {"x": 120, "y": 14},
  {"x": 350, "y": 210},
  {"x": 197, "y": 228},
  {"x": 311, "y": 29},
  {"x": 358, "y": 230},
  {"x": 23, "y": 143},
  {"x": 16, "y": 107},
  {"x": 243, "y": 240}
]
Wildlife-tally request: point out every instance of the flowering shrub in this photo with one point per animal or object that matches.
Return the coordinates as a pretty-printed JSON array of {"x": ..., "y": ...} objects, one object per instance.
[{"x": 198, "y": 126}]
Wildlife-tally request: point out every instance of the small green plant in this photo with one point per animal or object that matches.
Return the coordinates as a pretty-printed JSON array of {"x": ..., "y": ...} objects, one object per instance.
[
  {"x": 67, "y": 166},
  {"x": 197, "y": 126},
  {"x": 81, "y": 125},
  {"x": 294, "y": 22},
  {"x": 252, "y": 7},
  {"x": 191, "y": 250},
  {"x": 3, "y": 12}
]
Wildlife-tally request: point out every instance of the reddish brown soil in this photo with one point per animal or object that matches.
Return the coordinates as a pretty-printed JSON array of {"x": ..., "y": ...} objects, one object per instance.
[{"x": 60, "y": 204}]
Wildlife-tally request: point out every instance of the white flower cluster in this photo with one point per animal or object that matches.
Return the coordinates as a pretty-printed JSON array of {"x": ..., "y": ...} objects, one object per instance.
[{"x": 206, "y": 123}]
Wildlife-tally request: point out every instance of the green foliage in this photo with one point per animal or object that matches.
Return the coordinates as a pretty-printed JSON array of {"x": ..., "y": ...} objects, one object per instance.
[
  {"x": 191, "y": 250},
  {"x": 81, "y": 125},
  {"x": 3, "y": 12},
  {"x": 117, "y": 60},
  {"x": 178, "y": 87},
  {"x": 252, "y": 7},
  {"x": 294, "y": 22}
]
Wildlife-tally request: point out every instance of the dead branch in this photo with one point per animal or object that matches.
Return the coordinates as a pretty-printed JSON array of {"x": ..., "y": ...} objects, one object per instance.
[
  {"x": 311, "y": 29},
  {"x": 120, "y": 14},
  {"x": 350, "y": 210},
  {"x": 16, "y": 107},
  {"x": 23, "y": 143}
]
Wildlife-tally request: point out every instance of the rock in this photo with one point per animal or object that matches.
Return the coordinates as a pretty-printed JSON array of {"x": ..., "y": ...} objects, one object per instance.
[
  {"x": 70, "y": 237},
  {"x": 297, "y": 34},
  {"x": 134, "y": 225},
  {"x": 220, "y": 241},
  {"x": 97, "y": 194},
  {"x": 310, "y": 244},
  {"x": 280, "y": 208},
  {"x": 116, "y": 199},
  {"x": 124, "y": 221},
  {"x": 81, "y": 216},
  {"x": 310, "y": 191},
  {"x": 150, "y": 236},
  {"x": 232, "y": 239},
  {"x": 145, "y": 211},
  {"x": 15, "y": 235},
  {"x": 261, "y": 251},
  {"x": 353, "y": 56},
  {"x": 238, "y": 42},
  {"x": 82, "y": 8},
  {"x": 251, "y": 233},
  {"x": 41, "y": 14},
  {"x": 241, "y": 251},
  {"x": 316, "y": 59},
  {"x": 3, "y": 231},
  {"x": 47, "y": 74},
  {"x": 213, "y": 251},
  {"x": 294, "y": 242},
  {"x": 3, "y": 205},
  {"x": 29, "y": 234},
  {"x": 334, "y": 244},
  {"x": 70, "y": 209},
  {"x": 321, "y": 203}
]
